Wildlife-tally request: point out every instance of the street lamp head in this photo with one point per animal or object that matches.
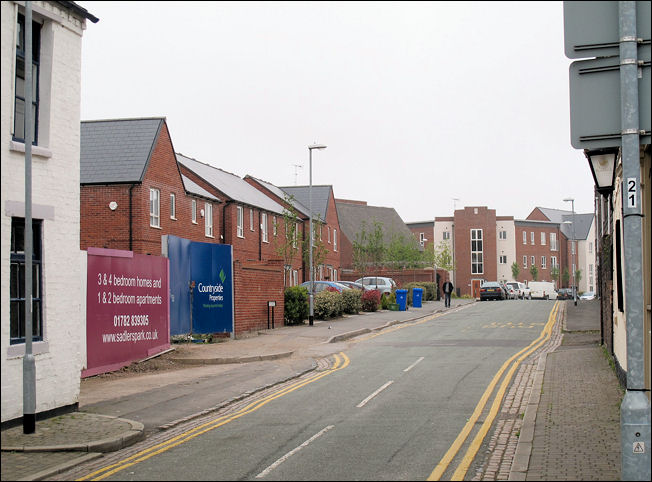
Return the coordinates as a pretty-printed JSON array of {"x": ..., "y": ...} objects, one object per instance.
[
  {"x": 317, "y": 146},
  {"x": 603, "y": 168},
  {"x": 569, "y": 199}
]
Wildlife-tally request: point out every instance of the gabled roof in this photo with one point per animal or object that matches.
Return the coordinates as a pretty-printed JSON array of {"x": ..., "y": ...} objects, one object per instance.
[
  {"x": 281, "y": 194},
  {"x": 231, "y": 185},
  {"x": 320, "y": 197},
  {"x": 193, "y": 188},
  {"x": 118, "y": 150},
  {"x": 583, "y": 224},
  {"x": 353, "y": 217},
  {"x": 554, "y": 215}
]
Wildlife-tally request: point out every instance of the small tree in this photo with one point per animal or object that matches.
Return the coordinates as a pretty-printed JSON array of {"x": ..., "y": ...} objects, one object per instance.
[
  {"x": 554, "y": 273},
  {"x": 534, "y": 271},
  {"x": 368, "y": 247},
  {"x": 403, "y": 252},
  {"x": 319, "y": 250},
  {"x": 578, "y": 276},
  {"x": 565, "y": 276},
  {"x": 516, "y": 269},
  {"x": 287, "y": 246}
]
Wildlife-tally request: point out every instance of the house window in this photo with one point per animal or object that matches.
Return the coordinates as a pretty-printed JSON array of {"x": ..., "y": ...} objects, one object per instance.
[
  {"x": 503, "y": 259},
  {"x": 251, "y": 219},
  {"x": 422, "y": 238},
  {"x": 320, "y": 227},
  {"x": 525, "y": 262},
  {"x": 329, "y": 234},
  {"x": 572, "y": 247},
  {"x": 154, "y": 208},
  {"x": 173, "y": 207},
  {"x": 553, "y": 261},
  {"x": 274, "y": 227},
  {"x": 335, "y": 239},
  {"x": 17, "y": 280},
  {"x": 502, "y": 235},
  {"x": 19, "y": 101},
  {"x": 208, "y": 220},
  {"x": 533, "y": 260},
  {"x": 524, "y": 237},
  {"x": 543, "y": 262},
  {"x": 543, "y": 239},
  {"x": 264, "y": 227},
  {"x": 240, "y": 222},
  {"x": 531, "y": 237},
  {"x": 553, "y": 241},
  {"x": 477, "y": 265},
  {"x": 295, "y": 235},
  {"x": 194, "y": 211},
  {"x": 590, "y": 247},
  {"x": 446, "y": 235}
]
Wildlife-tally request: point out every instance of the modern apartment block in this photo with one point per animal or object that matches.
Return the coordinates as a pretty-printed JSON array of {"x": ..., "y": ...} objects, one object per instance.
[{"x": 487, "y": 247}]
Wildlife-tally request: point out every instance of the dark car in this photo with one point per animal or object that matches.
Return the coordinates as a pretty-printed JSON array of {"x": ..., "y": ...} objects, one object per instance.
[
  {"x": 565, "y": 294},
  {"x": 492, "y": 290}
]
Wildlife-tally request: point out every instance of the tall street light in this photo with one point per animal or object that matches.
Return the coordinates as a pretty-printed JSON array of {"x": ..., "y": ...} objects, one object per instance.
[
  {"x": 311, "y": 317},
  {"x": 573, "y": 247}
]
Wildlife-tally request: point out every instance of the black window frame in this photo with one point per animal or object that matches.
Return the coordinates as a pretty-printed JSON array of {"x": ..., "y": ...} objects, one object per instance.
[
  {"x": 17, "y": 281},
  {"x": 36, "y": 62}
]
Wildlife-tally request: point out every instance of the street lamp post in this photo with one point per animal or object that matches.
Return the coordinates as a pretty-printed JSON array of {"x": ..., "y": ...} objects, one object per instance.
[
  {"x": 311, "y": 296},
  {"x": 573, "y": 248}
]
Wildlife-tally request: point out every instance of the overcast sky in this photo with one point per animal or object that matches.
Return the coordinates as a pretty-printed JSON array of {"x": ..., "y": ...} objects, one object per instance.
[{"x": 419, "y": 103}]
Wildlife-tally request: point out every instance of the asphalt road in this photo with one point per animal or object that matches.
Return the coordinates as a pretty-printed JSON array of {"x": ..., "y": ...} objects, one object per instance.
[{"x": 390, "y": 407}]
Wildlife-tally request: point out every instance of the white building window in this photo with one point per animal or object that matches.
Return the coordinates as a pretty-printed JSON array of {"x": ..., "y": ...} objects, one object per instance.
[
  {"x": 503, "y": 259},
  {"x": 553, "y": 261},
  {"x": 502, "y": 235},
  {"x": 543, "y": 262},
  {"x": 251, "y": 219},
  {"x": 524, "y": 237},
  {"x": 208, "y": 220},
  {"x": 263, "y": 226},
  {"x": 543, "y": 239},
  {"x": 477, "y": 264},
  {"x": 154, "y": 208},
  {"x": 525, "y": 261},
  {"x": 533, "y": 260},
  {"x": 422, "y": 239},
  {"x": 240, "y": 222},
  {"x": 193, "y": 211},
  {"x": 446, "y": 235},
  {"x": 335, "y": 240},
  {"x": 532, "y": 237},
  {"x": 553, "y": 241},
  {"x": 274, "y": 226},
  {"x": 173, "y": 207}
]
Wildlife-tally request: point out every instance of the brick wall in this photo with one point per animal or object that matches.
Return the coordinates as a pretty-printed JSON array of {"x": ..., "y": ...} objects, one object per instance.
[
  {"x": 538, "y": 250},
  {"x": 256, "y": 283},
  {"x": 474, "y": 218}
]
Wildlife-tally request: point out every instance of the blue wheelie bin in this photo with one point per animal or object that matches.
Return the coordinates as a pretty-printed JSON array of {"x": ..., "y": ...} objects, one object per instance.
[
  {"x": 401, "y": 299},
  {"x": 417, "y": 294}
]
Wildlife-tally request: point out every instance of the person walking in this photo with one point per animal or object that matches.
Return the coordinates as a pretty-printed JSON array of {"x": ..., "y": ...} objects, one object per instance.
[{"x": 448, "y": 289}]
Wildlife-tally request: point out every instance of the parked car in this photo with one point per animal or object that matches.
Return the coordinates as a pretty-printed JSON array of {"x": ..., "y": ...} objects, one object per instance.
[
  {"x": 522, "y": 291},
  {"x": 352, "y": 285},
  {"x": 492, "y": 290},
  {"x": 322, "y": 285},
  {"x": 380, "y": 283},
  {"x": 589, "y": 295},
  {"x": 565, "y": 294},
  {"x": 544, "y": 290},
  {"x": 512, "y": 293}
]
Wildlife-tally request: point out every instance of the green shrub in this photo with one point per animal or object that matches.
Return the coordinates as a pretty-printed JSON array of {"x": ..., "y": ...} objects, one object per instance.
[
  {"x": 387, "y": 300},
  {"x": 429, "y": 290},
  {"x": 296, "y": 305},
  {"x": 328, "y": 304},
  {"x": 352, "y": 301},
  {"x": 370, "y": 300}
]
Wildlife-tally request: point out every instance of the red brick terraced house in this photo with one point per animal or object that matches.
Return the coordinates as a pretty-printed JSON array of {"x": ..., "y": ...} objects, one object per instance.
[{"x": 132, "y": 191}]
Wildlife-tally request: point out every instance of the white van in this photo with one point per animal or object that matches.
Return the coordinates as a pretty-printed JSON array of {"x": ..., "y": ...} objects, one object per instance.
[{"x": 544, "y": 290}]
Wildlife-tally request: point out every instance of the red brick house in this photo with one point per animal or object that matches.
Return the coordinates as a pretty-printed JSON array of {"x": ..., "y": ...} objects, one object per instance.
[{"x": 132, "y": 191}]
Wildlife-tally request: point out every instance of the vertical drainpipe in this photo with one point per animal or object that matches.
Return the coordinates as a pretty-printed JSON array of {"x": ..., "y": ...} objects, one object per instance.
[
  {"x": 131, "y": 222},
  {"x": 260, "y": 236}
]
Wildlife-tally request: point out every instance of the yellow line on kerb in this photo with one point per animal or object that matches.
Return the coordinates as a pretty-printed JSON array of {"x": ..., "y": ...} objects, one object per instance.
[
  {"x": 341, "y": 361},
  {"x": 466, "y": 430}
]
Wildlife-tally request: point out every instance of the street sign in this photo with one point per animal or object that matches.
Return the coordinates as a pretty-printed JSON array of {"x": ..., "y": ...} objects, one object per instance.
[
  {"x": 595, "y": 102},
  {"x": 591, "y": 28}
]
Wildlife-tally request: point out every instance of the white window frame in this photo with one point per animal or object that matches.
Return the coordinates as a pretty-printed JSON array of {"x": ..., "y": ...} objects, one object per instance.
[
  {"x": 422, "y": 239},
  {"x": 263, "y": 226},
  {"x": 446, "y": 235},
  {"x": 525, "y": 262},
  {"x": 251, "y": 219},
  {"x": 532, "y": 238},
  {"x": 543, "y": 262},
  {"x": 335, "y": 240},
  {"x": 173, "y": 206},
  {"x": 274, "y": 226},
  {"x": 502, "y": 234},
  {"x": 154, "y": 207},
  {"x": 329, "y": 234},
  {"x": 524, "y": 237},
  {"x": 553, "y": 261},
  {"x": 208, "y": 220},
  {"x": 503, "y": 259},
  {"x": 240, "y": 222},
  {"x": 477, "y": 255},
  {"x": 533, "y": 260},
  {"x": 193, "y": 211},
  {"x": 543, "y": 238},
  {"x": 553, "y": 241}
]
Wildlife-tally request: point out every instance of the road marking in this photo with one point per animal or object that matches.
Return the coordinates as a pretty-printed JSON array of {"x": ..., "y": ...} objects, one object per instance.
[
  {"x": 466, "y": 430},
  {"x": 341, "y": 361},
  {"x": 364, "y": 402},
  {"x": 293, "y": 451},
  {"x": 413, "y": 365}
]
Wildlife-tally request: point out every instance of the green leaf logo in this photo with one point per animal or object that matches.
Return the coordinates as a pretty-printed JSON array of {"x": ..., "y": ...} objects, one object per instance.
[{"x": 222, "y": 276}]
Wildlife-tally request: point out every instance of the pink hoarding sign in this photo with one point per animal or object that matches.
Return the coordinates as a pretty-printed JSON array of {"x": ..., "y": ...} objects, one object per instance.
[{"x": 127, "y": 308}]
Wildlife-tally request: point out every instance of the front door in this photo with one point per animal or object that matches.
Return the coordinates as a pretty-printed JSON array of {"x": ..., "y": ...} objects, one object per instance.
[{"x": 475, "y": 287}]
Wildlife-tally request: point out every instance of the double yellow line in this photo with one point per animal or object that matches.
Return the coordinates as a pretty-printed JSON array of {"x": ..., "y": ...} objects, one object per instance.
[
  {"x": 341, "y": 361},
  {"x": 471, "y": 452}
]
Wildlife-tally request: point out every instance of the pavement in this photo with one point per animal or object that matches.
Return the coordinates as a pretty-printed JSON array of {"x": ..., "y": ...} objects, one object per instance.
[{"x": 568, "y": 393}]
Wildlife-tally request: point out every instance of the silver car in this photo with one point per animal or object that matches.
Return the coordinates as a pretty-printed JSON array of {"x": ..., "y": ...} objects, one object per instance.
[{"x": 380, "y": 283}]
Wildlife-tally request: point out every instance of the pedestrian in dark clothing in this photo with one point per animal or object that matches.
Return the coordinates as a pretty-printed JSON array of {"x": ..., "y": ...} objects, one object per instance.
[{"x": 448, "y": 289}]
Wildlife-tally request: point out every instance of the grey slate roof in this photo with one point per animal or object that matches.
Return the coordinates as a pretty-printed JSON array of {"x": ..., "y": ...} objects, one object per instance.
[
  {"x": 231, "y": 185},
  {"x": 554, "y": 215},
  {"x": 320, "y": 197},
  {"x": 352, "y": 217},
  {"x": 582, "y": 225},
  {"x": 117, "y": 151},
  {"x": 193, "y": 188},
  {"x": 281, "y": 194}
]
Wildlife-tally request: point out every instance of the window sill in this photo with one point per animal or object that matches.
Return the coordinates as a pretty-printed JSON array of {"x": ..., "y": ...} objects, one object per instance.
[
  {"x": 155, "y": 227},
  {"x": 36, "y": 150},
  {"x": 18, "y": 350}
]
